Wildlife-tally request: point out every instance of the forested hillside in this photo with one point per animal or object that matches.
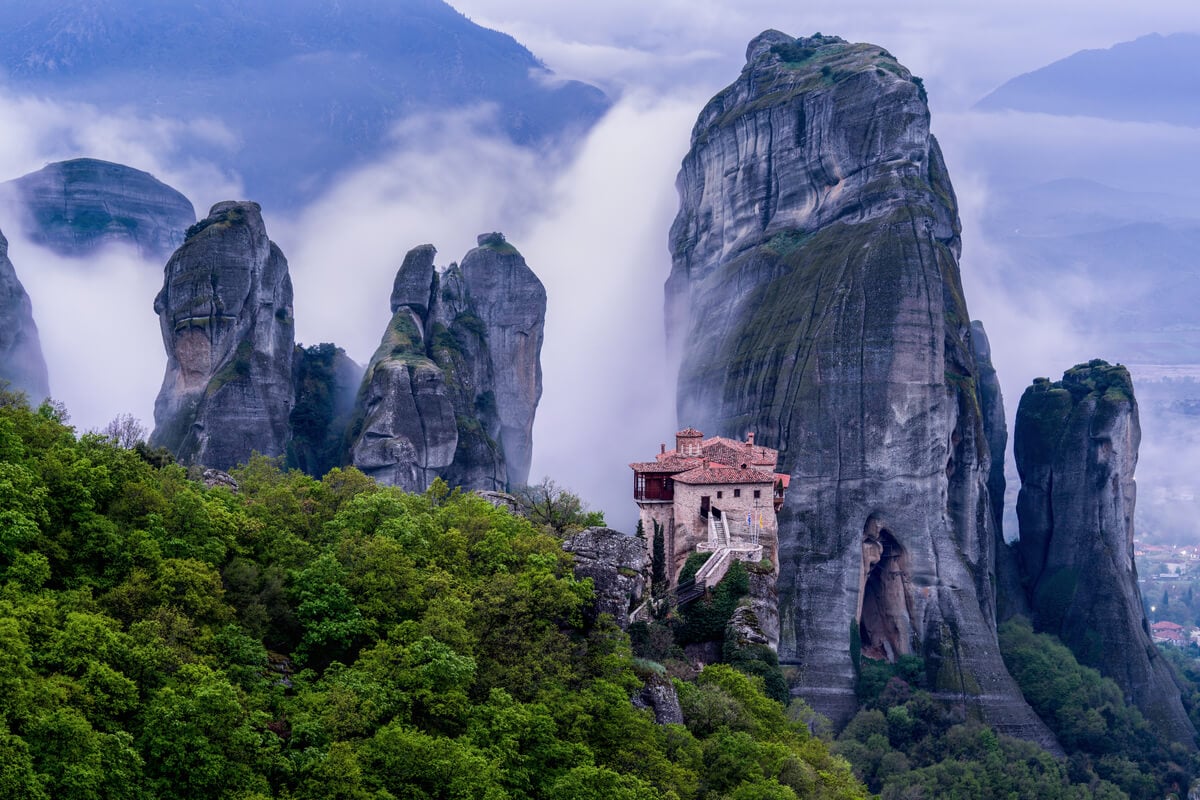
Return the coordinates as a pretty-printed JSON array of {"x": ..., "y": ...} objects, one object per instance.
[{"x": 302, "y": 638}]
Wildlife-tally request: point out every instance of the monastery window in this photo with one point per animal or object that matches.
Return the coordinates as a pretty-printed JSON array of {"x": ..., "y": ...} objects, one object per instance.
[
  {"x": 757, "y": 493},
  {"x": 719, "y": 494},
  {"x": 737, "y": 492},
  {"x": 641, "y": 486}
]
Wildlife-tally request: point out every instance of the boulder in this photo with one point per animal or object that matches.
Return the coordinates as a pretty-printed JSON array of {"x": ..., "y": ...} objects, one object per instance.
[{"x": 616, "y": 563}]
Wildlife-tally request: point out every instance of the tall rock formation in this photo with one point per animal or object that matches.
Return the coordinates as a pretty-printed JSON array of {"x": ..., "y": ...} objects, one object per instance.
[
  {"x": 1076, "y": 444},
  {"x": 452, "y": 389},
  {"x": 225, "y": 310},
  {"x": 22, "y": 365},
  {"x": 75, "y": 207},
  {"x": 815, "y": 298},
  {"x": 510, "y": 301}
]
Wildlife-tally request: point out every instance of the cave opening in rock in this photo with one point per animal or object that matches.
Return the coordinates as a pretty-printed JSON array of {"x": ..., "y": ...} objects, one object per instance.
[{"x": 884, "y": 602}]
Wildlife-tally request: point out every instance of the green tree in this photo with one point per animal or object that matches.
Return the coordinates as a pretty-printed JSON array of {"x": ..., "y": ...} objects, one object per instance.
[{"x": 547, "y": 504}]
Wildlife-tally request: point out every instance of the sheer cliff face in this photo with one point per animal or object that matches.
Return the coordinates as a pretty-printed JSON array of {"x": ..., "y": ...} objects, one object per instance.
[
  {"x": 21, "y": 363},
  {"x": 510, "y": 301},
  {"x": 815, "y": 299},
  {"x": 74, "y": 207},
  {"x": 226, "y": 316},
  {"x": 1076, "y": 444},
  {"x": 452, "y": 390}
]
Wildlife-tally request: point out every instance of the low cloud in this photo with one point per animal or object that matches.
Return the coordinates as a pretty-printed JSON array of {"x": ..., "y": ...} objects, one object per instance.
[{"x": 98, "y": 329}]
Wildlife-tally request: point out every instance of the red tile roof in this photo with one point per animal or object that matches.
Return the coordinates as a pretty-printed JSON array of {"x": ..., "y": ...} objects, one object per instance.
[
  {"x": 720, "y": 451},
  {"x": 724, "y": 475},
  {"x": 671, "y": 464},
  {"x": 689, "y": 433},
  {"x": 746, "y": 452}
]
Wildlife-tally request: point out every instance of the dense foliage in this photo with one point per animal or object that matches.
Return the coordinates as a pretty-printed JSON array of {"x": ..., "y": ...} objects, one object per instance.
[
  {"x": 1088, "y": 714},
  {"x": 904, "y": 744},
  {"x": 330, "y": 638}
]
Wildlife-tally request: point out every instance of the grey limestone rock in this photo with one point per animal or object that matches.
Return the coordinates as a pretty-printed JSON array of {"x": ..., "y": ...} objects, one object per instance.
[
  {"x": 453, "y": 388},
  {"x": 75, "y": 207},
  {"x": 226, "y": 316},
  {"x": 659, "y": 696},
  {"x": 815, "y": 299},
  {"x": 22, "y": 365},
  {"x": 764, "y": 602},
  {"x": 1076, "y": 444},
  {"x": 616, "y": 563},
  {"x": 215, "y": 477},
  {"x": 511, "y": 302},
  {"x": 1009, "y": 598},
  {"x": 744, "y": 629},
  {"x": 406, "y": 432}
]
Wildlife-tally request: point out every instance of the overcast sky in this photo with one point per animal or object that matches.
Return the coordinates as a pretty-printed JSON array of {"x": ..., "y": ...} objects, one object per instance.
[
  {"x": 593, "y": 223},
  {"x": 963, "y": 48}
]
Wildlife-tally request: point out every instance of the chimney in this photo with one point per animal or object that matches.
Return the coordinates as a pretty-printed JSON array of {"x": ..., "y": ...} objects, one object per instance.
[
  {"x": 662, "y": 449},
  {"x": 750, "y": 438}
]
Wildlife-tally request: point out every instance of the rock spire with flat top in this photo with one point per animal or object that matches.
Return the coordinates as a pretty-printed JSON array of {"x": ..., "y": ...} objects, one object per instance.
[
  {"x": 1076, "y": 445},
  {"x": 815, "y": 298},
  {"x": 225, "y": 310}
]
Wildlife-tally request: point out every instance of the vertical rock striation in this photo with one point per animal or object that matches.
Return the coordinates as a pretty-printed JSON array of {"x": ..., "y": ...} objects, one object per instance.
[
  {"x": 510, "y": 301},
  {"x": 75, "y": 207},
  {"x": 452, "y": 390},
  {"x": 226, "y": 316},
  {"x": 22, "y": 365},
  {"x": 1008, "y": 595},
  {"x": 1076, "y": 444},
  {"x": 815, "y": 298},
  {"x": 406, "y": 429}
]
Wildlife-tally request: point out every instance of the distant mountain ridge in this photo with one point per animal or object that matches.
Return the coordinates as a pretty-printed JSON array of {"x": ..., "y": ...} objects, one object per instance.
[
  {"x": 304, "y": 88},
  {"x": 1151, "y": 79}
]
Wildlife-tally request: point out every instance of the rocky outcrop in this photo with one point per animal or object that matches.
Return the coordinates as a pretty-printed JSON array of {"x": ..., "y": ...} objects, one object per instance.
[
  {"x": 659, "y": 696},
  {"x": 226, "y": 316},
  {"x": 616, "y": 563},
  {"x": 815, "y": 298},
  {"x": 764, "y": 602},
  {"x": 1076, "y": 444},
  {"x": 22, "y": 365},
  {"x": 452, "y": 390},
  {"x": 76, "y": 207}
]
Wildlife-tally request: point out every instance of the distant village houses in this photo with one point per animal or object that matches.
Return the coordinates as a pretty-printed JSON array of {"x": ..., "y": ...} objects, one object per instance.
[{"x": 717, "y": 495}]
